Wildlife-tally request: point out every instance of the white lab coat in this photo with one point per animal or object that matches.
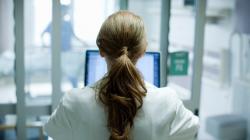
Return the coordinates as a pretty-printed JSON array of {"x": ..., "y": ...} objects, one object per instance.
[{"x": 80, "y": 116}]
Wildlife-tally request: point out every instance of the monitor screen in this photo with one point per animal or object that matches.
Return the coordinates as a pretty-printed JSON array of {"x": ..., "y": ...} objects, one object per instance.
[{"x": 148, "y": 65}]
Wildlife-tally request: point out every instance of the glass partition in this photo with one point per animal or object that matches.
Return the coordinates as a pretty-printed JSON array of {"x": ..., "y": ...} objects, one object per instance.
[
  {"x": 7, "y": 56},
  {"x": 37, "y": 53},
  {"x": 150, "y": 11},
  {"x": 81, "y": 21},
  {"x": 181, "y": 38},
  {"x": 37, "y": 61},
  {"x": 7, "y": 59}
]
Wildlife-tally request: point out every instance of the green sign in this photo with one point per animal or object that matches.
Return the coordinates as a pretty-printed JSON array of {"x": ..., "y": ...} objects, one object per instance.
[{"x": 178, "y": 63}]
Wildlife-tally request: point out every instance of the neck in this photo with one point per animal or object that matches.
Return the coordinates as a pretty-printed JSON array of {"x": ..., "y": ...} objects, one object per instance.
[{"x": 108, "y": 62}]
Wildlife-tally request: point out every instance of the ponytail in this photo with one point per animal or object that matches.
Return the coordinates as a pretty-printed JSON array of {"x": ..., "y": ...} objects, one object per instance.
[
  {"x": 122, "y": 91},
  {"x": 122, "y": 41}
]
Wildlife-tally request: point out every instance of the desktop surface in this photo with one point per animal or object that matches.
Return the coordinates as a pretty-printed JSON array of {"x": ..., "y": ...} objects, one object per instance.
[{"x": 148, "y": 65}]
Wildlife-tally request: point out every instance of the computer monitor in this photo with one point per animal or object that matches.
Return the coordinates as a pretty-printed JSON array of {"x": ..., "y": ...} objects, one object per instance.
[{"x": 148, "y": 65}]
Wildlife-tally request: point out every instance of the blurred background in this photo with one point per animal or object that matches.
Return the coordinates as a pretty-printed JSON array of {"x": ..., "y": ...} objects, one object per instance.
[{"x": 214, "y": 33}]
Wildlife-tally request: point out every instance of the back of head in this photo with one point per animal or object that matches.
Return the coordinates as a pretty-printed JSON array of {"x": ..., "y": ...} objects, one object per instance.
[{"x": 122, "y": 40}]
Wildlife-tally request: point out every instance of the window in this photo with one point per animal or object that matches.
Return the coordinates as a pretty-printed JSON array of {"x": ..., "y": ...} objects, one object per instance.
[
  {"x": 150, "y": 11},
  {"x": 7, "y": 56},
  {"x": 37, "y": 49},
  {"x": 181, "y": 38},
  {"x": 81, "y": 25}
]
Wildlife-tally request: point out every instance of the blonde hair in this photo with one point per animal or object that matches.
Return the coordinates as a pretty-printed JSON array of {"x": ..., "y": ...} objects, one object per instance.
[{"x": 123, "y": 41}]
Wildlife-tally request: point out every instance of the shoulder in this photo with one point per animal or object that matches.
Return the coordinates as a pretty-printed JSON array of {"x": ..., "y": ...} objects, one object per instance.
[
  {"x": 166, "y": 95},
  {"x": 68, "y": 113},
  {"x": 78, "y": 96},
  {"x": 161, "y": 101},
  {"x": 77, "y": 93},
  {"x": 164, "y": 102},
  {"x": 170, "y": 110}
]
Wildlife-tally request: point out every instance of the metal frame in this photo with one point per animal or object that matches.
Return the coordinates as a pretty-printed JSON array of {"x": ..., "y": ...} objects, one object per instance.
[
  {"x": 34, "y": 110},
  {"x": 200, "y": 20},
  {"x": 19, "y": 68},
  {"x": 164, "y": 40},
  {"x": 56, "y": 53},
  {"x": 7, "y": 109},
  {"x": 123, "y": 4}
]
